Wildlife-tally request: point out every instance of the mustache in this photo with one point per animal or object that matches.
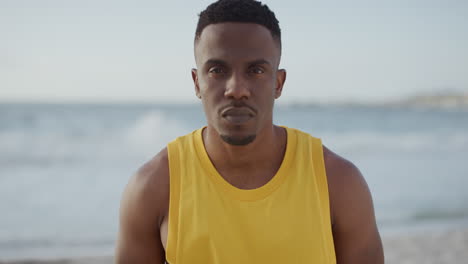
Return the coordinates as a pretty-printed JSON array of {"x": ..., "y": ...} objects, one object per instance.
[{"x": 236, "y": 105}]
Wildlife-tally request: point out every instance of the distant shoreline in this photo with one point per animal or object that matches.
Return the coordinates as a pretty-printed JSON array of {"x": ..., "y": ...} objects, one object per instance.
[{"x": 438, "y": 100}]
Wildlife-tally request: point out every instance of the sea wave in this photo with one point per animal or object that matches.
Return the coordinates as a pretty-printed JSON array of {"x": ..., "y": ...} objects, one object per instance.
[
  {"x": 148, "y": 133},
  {"x": 151, "y": 131},
  {"x": 141, "y": 136},
  {"x": 371, "y": 141}
]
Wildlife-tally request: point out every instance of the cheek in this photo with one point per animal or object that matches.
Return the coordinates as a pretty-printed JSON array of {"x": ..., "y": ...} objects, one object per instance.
[
  {"x": 268, "y": 89},
  {"x": 211, "y": 89}
]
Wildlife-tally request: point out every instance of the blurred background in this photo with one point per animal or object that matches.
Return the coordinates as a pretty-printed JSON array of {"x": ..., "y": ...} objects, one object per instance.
[{"x": 90, "y": 90}]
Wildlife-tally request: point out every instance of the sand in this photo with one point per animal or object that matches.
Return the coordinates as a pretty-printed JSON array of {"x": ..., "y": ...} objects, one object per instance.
[
  {"x": 441, "y": 247},
  {"x": 90, "y": 260},
  {"x": 431, "y": 247}
]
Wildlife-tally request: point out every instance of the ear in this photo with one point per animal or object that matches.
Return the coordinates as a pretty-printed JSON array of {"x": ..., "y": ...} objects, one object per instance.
[
  {"x": 195, "y": 82},
  {"x": 280, "y": 79}
]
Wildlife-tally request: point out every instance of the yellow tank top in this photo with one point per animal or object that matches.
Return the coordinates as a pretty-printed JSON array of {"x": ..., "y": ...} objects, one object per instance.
[{"x": 287, "y": 220}]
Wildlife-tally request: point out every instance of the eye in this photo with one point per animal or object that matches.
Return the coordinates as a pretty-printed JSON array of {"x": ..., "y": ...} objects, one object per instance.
[
  {"x": 256, "y": 70},
  {"x": 216, "y": 70}
]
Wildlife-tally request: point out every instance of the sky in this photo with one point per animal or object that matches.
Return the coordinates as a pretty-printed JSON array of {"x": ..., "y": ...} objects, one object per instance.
[{"x": 142, "y": 51}]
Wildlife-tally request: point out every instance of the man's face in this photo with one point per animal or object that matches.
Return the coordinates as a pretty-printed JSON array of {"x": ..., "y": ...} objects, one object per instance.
[{"x": 238, "y": 79}]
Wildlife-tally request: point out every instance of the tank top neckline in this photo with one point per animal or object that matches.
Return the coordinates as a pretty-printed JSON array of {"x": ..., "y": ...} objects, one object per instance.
[{"x": 246, "y": 194}]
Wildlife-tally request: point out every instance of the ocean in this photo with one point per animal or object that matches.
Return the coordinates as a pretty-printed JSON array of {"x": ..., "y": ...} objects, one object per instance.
[{"x": 63, "y": 167}]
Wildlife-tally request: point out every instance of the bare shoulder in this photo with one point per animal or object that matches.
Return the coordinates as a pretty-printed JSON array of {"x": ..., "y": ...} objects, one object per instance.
[
  {"x": 144, "y": 205},
  {"x": 149, "y": 186},
  {"x": 355, "y": 232},
  {"x": 342, "y": 174},
  {"x": 347, "y": 187},
  {"x": 338, "y": 166},
  {"x": 152, "y": 180}
]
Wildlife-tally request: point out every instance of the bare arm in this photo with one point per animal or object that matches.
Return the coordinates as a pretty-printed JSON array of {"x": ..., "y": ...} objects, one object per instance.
[
  {"x": 144, "y": 205},
  {"x": 355, "y": 233}
]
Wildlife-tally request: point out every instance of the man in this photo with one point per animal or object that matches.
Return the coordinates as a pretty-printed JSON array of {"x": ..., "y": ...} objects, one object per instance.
[{"x": 243, "y": 190}]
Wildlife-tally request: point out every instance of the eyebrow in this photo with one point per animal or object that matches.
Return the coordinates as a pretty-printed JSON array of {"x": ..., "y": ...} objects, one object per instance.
[
  {"x": 221, "y": 62},
  {"x": 215, "y": 61},
  {"x": 260, "y": 61}
]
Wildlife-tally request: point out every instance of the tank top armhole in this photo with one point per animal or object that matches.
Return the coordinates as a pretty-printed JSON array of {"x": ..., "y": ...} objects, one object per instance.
[
  {"x": 322, "y": 182},
  {"x": 174, "y": 197}
]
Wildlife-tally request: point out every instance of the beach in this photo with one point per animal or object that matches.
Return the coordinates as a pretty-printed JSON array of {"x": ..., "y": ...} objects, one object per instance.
[
  {"x": 441, "y": 247},
  {"x": 449, "y": 246}
]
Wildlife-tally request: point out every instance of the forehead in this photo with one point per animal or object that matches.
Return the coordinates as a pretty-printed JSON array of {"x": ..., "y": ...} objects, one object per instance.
[{"x": 235, "y": 42}]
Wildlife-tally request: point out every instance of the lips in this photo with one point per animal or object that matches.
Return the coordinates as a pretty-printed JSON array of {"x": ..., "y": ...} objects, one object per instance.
[{"x": 237, "y": 115}]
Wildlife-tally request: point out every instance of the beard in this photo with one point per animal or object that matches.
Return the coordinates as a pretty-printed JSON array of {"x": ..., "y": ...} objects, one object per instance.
[{"x": 238, "y": 141}]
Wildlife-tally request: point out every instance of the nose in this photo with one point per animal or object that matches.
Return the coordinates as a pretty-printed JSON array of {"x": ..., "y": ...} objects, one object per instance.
[{"x": 237, "y": 87}]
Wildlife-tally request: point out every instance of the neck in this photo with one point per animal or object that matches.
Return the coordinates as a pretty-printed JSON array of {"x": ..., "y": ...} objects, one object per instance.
[{"x": 261, "y": 158}]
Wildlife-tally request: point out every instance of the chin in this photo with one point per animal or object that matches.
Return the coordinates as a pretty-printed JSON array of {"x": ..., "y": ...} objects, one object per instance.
[
  {"x": 237, "y": 134},
  {"x": 238, "y": 140}
]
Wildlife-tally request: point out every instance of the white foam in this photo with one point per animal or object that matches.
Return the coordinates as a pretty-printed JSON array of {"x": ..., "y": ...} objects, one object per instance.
[{"x": 151, "y": 132}]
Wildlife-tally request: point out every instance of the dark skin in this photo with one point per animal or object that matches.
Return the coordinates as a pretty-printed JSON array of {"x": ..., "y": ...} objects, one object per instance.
[{"x": 238, "y": 80}]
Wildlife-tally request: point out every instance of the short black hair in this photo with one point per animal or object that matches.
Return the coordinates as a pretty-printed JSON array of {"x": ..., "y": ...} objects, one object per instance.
[{"x": 242, "y": 11}]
